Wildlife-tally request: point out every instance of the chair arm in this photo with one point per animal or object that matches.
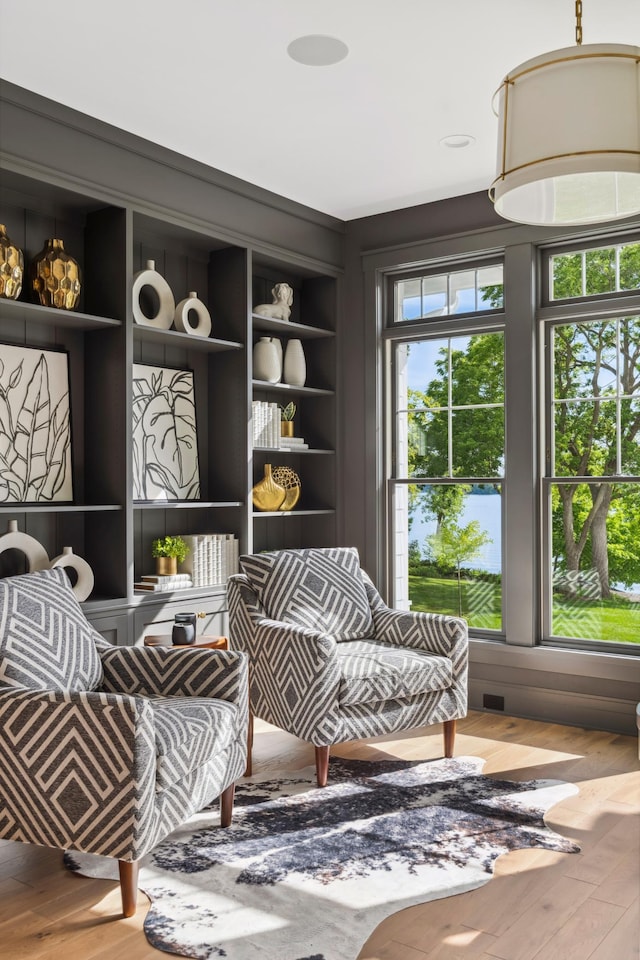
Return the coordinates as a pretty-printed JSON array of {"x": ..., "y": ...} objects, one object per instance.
[
  {"x": 77, "y": 770},
  {"x": 295, "y": 675},
  {"x": 252, "y": 627},
  {"x": 434, "y": 633},
  {"x": 314, "y": 653},
  {"x": 172, "y": 672}
]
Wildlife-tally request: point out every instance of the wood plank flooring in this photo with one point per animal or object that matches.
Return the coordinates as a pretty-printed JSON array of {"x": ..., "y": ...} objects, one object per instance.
[{"x": 540, "y": 905}]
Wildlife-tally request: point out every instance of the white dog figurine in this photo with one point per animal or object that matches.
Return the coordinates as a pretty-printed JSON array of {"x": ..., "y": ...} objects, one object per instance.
[{"x": 280, "y": 309}]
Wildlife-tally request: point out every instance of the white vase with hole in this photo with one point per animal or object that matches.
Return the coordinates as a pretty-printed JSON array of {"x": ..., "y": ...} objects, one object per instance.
[
  {"x": 266, "y": 362},
  {"x": 192, "y": 316},
  {"x": 295, "y": 365},
  {"x": 36, "y": 557},
  {"x": 84, "y": 578},
  {"x": 160, "y": 302}
]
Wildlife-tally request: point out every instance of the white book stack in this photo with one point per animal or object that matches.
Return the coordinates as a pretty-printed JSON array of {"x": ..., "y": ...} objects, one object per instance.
[
  {"x": 274, "y": 425},
  {"x": 266, "y": 424},
  {"x": 293, "y": 443},
  {"x": 212, "y": 557},
  {"x": 153, "y": 583}
]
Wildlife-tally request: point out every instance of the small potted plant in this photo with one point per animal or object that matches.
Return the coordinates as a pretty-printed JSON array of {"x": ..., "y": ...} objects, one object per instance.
[
  {"x": 286, "y": 419},
  {"x": 168, "y": 553}
]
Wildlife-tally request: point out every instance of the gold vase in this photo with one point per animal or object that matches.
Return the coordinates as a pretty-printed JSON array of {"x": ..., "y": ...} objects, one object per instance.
[
  {"x": 286, "y": 428},
  {"x": 11, "y": 267},
  {"x": 290, "y": 480},
  {"x": 55, "y": 277},
  {"x": 166, "y": 566},
  {"x": 267, "y": 494}
]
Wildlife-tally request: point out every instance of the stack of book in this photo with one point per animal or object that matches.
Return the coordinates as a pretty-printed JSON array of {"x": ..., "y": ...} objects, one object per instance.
[
  {"x": 293, "y": 443},
  {"x": 152, "y": 583},
  {"x": 266, "y": 424},
  {"x": 266, "y": 428},
  {"x": 212, "y": 557}
]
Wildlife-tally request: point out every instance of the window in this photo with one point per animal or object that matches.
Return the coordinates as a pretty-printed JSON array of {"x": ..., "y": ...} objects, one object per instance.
[
  {"x": 449, "y": 294},
  {"x": 592, "y": 482},
  {"x": 601, "y": 270},
  {"x": 448, "y": 475}
]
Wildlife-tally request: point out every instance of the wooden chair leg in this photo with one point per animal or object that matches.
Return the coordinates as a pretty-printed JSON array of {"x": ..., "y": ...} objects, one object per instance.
[
  {"x": 226, "y": 805},
  {"x": 322, "y": 765},
  {"x": 129, "y": 885},
  {"x": 249, "y": 767},
  {"x": 449, "y": 730}
]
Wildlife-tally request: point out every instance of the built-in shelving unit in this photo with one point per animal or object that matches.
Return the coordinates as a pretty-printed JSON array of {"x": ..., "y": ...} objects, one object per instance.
[
  {"x": 313, "y": 321},
  {"x": 104, "y": 524}
]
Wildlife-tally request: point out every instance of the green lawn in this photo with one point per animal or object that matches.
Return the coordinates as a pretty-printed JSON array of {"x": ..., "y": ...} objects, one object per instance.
[
  {"x": 616, "y": 619},
  {"x": 613, "y": 620},
  {"x": 480, "y": 600}
]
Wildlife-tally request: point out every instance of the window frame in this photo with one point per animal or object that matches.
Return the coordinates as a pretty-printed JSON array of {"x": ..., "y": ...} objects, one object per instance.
[
  {"x": 440, "y": 327},
  {"x": 435, "y": 269},
  {"x": 552, "y": 314},
  {"x": 580, "y": 246}
]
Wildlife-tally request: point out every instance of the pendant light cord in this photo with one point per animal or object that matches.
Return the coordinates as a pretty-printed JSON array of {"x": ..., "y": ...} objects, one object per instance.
[{"x": 579, "y": 22}]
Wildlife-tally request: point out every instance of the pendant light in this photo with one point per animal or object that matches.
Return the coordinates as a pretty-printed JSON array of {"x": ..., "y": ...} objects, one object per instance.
[{"x": 569, "y": 136}]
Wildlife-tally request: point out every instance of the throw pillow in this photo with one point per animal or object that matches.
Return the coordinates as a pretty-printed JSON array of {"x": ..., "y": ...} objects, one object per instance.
[
  {"x": 321, "y": 589},
  {"x": 46, "y": 642}
]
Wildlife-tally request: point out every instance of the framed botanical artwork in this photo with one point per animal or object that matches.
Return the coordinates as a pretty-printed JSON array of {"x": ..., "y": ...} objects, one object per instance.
[
  {"x": 165, "y": 441},
  {"x": 35, "y": 426}
]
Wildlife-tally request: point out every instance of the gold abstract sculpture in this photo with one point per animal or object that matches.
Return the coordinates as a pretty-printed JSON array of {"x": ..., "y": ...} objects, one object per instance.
[
  {"x": 11, "y": 267},
  {"x": 55, "y": 277},
  {"x": 290, "y": 480},
  {"x": 267, "y": 494}
]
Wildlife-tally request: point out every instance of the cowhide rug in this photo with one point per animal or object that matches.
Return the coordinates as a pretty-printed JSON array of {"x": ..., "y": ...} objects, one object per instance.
[{"x": 307, "y": 874}]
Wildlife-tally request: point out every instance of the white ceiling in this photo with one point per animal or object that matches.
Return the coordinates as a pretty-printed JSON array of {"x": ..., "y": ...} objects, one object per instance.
[{"x": 212, "y": 79}]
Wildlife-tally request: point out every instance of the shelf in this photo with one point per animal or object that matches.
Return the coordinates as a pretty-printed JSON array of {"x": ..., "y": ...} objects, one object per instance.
[
  {"x": 52, "y": 317},
  {"x": 115, "y": 535},
  {"x": 291, "y": 513},
  {"x": 185, "y": 504},
  {"x": 288, "y": 328},
  {"x": 288, "y": 388},
  {"x": 7, "y": 509},
  {"x": 286, "y": 450},
  {"x": 186, "y": 340},
  {"x": 191, "y": 593}
]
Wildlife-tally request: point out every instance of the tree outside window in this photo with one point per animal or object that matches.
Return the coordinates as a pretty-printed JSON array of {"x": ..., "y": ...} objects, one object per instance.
[
  {"x": 450, "y": 444},
  {"x": 594, "y": 452}
]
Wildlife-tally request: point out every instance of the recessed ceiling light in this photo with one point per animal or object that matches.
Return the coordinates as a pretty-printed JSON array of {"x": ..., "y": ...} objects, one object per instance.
[
  {"x": 317, "y": 50},
  {"x": 457, "y": 140}
]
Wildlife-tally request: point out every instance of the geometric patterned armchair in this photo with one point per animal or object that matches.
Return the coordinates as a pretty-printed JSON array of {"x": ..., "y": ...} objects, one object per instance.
[
  {"x": 107, "y": 749},
  {"x": 330, "y": 662}
]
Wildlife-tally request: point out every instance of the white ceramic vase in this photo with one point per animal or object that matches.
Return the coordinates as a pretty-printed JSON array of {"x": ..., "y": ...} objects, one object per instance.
[
  {"x": 35, "y": 554},
  {"x": 278, "y": 345},
  {"x": 166, "y": 305},
  {"x": 182, "y": 320},
  {"x": 266, "y": 362},
  {"x": 295, "y": 366},
  {"x": 84, "y": 574}
]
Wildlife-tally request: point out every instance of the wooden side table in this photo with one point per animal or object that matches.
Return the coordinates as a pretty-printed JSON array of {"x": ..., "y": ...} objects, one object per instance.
[{"x": 203, "y": 640}]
